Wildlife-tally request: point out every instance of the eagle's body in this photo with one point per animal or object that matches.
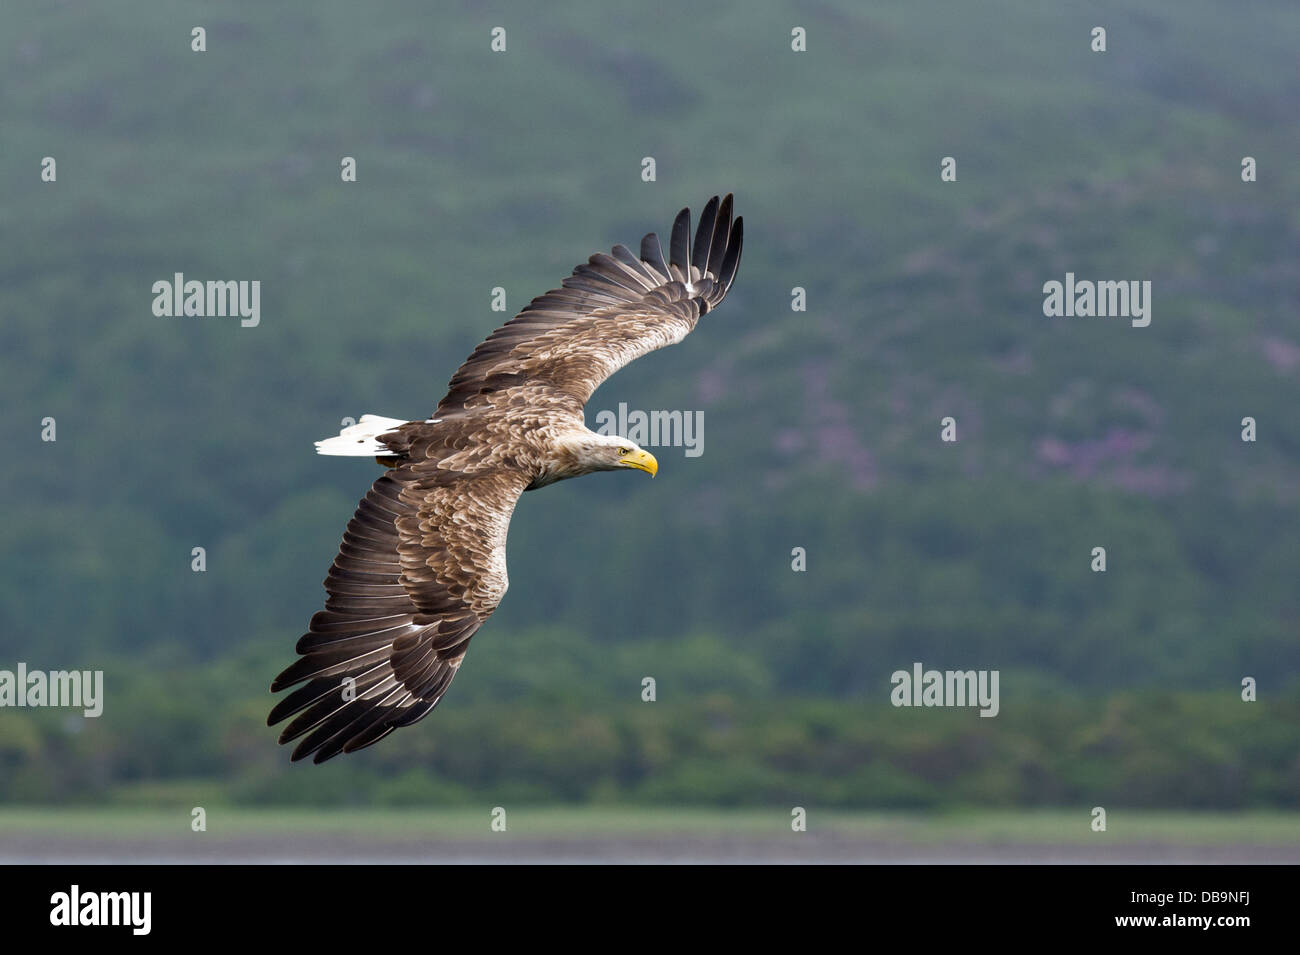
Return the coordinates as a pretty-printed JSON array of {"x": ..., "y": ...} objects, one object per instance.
[{"x": 423, "y": 561}]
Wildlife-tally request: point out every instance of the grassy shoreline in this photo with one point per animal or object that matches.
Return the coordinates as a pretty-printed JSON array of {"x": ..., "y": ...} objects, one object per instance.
[{"x": 1001, "y": 827}]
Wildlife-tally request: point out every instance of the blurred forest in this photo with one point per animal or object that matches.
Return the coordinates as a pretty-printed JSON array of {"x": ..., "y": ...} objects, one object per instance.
[{"x": 822, "y": 428}]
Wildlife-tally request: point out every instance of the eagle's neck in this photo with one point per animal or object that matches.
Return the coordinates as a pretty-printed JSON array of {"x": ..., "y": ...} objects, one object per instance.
[{"x": 564, "y": 455}]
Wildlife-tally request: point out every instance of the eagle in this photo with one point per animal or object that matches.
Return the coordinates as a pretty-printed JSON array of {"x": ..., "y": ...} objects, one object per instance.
[{"x": 422, "y": 563}]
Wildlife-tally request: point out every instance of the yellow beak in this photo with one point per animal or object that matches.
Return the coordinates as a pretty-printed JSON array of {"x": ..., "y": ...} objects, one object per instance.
[{"x": 641, "y": 460}]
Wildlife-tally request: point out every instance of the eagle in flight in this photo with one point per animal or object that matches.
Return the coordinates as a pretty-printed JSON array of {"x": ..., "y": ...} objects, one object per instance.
[{"x": 423, "y": 560}]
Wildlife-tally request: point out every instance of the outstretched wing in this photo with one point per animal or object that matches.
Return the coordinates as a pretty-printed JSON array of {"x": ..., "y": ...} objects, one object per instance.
[
  {"x": 609, "y": 312},
  {"x": 421, "y": 566}
]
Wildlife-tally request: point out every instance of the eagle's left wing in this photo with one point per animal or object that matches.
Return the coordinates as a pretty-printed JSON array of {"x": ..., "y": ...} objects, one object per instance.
[
  {"x": 609, "y": 312},
  {"x": 420, "y": 568}
]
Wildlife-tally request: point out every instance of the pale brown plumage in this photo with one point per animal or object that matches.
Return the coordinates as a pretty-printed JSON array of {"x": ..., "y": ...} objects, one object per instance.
[{"x": 422, "y": 562}]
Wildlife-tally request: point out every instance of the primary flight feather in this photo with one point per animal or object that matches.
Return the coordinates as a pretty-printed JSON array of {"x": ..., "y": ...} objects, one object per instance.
[{"x": 423, "y": 561}]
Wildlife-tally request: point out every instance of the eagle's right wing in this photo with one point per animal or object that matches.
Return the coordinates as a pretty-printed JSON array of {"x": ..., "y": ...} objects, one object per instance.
[{"x": 609, "y": 312}]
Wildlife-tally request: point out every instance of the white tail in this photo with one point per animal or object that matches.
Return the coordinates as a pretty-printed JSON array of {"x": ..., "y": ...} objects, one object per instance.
[{"x": 358, "y": 440}]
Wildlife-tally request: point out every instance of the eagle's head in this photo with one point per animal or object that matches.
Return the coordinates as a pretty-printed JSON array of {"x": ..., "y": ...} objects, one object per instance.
[
  {"x": 586, "y": 451},
  {"x": 609, "y": 452},
  {"x": 575, "y": 453}
]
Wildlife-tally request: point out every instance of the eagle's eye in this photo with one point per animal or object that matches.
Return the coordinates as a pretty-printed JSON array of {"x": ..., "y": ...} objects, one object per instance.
[{"x": 622, "y": 450}]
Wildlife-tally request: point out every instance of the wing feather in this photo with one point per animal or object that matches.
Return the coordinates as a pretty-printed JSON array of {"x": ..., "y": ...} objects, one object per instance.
[
  {"x": 614, "y": 308},
  {"x": 389, "y": 641},
  {"x": 704, "y": 236},
  {"x": 679, "y": 248},
  {"x": 719, "y": 239},
  {"x": 652, "y": 254}
]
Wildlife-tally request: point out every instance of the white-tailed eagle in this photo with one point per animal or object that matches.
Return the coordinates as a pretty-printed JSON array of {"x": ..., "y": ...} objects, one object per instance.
[{"x": 423, "y": 561}]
